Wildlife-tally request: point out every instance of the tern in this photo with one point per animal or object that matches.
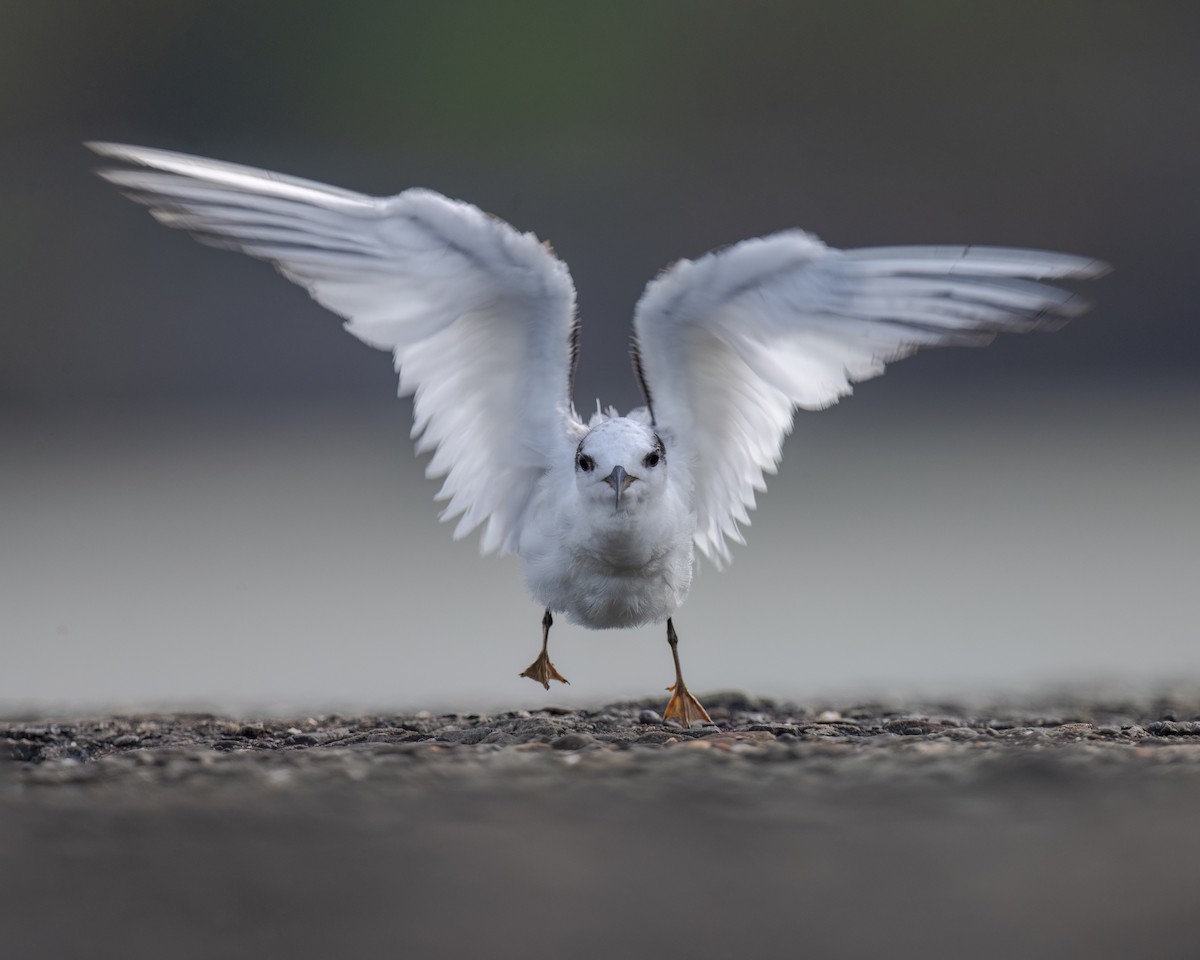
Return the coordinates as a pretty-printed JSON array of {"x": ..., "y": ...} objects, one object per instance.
[{"x": 605, "y": 515}]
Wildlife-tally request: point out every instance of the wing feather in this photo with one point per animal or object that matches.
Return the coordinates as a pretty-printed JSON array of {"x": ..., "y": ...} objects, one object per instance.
[
  {"x": 728, "y": 346},
  {"x": 480, "y": 319}
]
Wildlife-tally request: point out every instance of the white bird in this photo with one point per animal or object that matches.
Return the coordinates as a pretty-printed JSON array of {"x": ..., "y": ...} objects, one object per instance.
[{"x": 480, "y": 320}]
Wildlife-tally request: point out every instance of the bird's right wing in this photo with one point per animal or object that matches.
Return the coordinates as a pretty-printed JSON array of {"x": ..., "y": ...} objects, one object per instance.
[
  {"x": 728, "y": 346},
  {"x": 480, "y": 319}
]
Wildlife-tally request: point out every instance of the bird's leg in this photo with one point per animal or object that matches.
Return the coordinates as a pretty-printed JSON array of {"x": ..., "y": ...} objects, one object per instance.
[
  {"x": 542, "y": 670},
  {"x": 682, "y": 706}
]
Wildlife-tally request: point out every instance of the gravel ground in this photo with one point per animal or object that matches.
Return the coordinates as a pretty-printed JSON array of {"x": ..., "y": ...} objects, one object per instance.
[{"x": 1065, "y": 831}]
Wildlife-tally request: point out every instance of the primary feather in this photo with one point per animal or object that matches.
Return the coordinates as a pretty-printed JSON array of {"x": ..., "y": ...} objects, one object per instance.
[
  {"x": 480, "y": 319},
  {"x": 728, "y": 346}
]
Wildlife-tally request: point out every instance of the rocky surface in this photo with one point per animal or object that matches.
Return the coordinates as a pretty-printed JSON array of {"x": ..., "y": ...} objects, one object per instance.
[
  {"x": 112, "y": 748},
  {"x": 1066, "y": 830}
]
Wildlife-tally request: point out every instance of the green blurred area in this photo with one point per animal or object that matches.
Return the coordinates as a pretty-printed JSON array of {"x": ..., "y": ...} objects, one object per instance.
[{"x": 386, "y": 74}]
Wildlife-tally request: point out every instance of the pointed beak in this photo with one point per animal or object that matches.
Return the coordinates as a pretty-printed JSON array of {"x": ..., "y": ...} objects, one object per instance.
[{"x": 619, "y": 480}]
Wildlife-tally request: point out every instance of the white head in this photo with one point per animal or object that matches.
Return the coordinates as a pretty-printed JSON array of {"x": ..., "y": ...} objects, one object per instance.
[{"x": 621, "y": 464}]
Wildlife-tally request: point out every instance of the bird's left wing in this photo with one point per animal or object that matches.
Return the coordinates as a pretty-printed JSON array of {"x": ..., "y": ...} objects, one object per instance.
[
  {"x": 480, "y": 319},
  {"x": 728, "y": 346}
]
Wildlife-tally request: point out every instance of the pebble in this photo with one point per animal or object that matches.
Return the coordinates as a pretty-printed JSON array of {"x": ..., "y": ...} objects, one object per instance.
[{"x": 573, "y": 741}]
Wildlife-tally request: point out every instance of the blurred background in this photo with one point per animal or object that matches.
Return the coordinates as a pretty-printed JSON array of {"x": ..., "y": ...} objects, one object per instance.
[{"x": 208, "y": 497}]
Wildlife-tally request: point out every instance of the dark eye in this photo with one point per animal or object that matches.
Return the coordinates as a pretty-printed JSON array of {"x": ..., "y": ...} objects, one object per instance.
[
  {"x": 585, "y": 463},
  {"x": 651, "y": 460}
]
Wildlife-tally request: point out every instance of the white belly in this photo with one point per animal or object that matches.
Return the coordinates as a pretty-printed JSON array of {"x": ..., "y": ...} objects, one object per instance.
[{"x": 604, "y": 591}]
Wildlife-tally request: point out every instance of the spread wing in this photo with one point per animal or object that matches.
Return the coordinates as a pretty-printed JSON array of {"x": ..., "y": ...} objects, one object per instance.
[
  {"x": 728, "y": 346},
  {"x": 479, "y": 318}
]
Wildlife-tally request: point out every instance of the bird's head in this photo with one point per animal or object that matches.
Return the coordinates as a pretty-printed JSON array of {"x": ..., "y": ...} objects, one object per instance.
[{"x": 622, "y": 464}]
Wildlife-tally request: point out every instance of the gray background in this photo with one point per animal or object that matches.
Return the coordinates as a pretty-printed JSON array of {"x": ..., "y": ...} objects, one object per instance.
[{"x": 207, "y": 495}]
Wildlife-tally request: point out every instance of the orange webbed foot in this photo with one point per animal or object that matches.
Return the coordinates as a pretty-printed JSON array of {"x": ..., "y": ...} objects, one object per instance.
[
  {"x": 542, "y": 670},
  {"x": 684, "y": 707}
]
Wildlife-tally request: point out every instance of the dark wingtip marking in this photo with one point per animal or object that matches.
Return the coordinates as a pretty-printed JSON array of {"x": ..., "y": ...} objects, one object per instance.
[
  {"x": 573, "y": 350},
  {"x": 635, "y": 354}
]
